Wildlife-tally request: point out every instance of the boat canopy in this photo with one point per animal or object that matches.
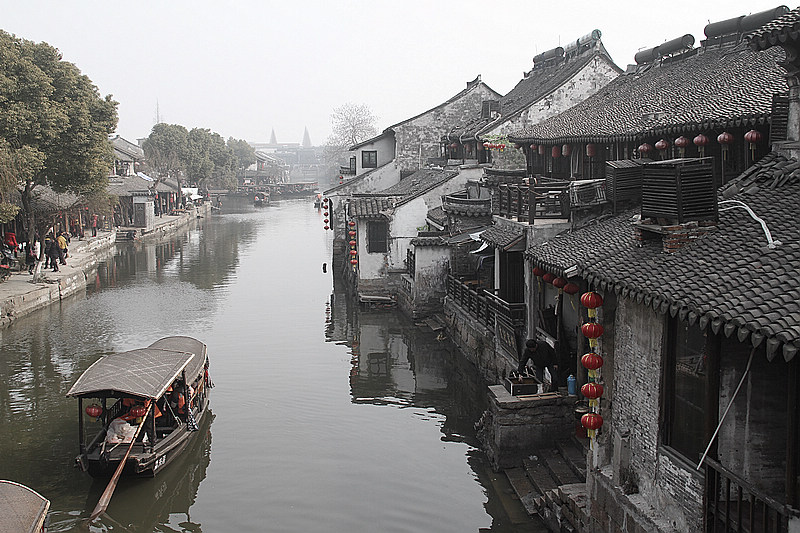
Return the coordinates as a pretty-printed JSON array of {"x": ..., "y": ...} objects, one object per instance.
[
  {"x": 185, "y": 344},
  {"x": 146, "y": 372},
  {"x": 21, "y": 509}
]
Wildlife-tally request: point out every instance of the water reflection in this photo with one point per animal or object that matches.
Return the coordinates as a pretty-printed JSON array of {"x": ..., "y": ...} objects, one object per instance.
[{"x": 329, "y": 418}]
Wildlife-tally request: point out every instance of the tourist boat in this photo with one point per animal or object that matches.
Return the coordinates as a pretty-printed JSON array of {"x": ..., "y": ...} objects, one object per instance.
[
  {"x": 21, "y": 508},
  {"x": 261, "y": 199},
  {"x": 145, "y": 404}
]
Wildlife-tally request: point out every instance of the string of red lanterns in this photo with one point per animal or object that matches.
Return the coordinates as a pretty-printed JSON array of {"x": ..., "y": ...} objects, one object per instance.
[
  {"x": 592, "y": 361},
  {"x": 353, "y": 242}
]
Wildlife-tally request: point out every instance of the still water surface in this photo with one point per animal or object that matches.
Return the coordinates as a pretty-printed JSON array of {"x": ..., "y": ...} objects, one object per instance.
[{"x": 325, "y": 418}]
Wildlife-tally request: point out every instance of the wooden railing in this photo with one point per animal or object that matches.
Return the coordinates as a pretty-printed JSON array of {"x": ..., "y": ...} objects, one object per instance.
[
  {"x": 484, "y": 306},
  {"x": 732, "y": 504},
  {"x": 515, "y": 201}
]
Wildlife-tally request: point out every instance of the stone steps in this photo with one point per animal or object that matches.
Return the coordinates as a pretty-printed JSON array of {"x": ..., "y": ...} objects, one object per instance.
[{"x": 552, "y": 483}]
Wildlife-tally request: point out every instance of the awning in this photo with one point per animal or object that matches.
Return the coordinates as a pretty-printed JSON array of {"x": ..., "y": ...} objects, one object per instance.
[
  {"x": 144, "y": 176},
  {"x": 146, "y": 373}
]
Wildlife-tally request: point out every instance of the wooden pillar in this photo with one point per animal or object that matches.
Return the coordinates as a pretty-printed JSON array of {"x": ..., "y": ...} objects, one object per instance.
[
  {"x": 713, "y": 349},
  {"x": 791, "y": 440}
]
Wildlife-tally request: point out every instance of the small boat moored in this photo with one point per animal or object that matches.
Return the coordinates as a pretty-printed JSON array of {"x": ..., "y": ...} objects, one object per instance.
[
  {"x": 21, "y": 509},
  {"x": 147, "y": 401}
]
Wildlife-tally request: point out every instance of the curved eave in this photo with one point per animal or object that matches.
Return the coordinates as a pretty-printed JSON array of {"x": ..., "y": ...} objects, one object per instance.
[
  {"x": 744, "y": 331},
  {"x": 711, "y": 124}
]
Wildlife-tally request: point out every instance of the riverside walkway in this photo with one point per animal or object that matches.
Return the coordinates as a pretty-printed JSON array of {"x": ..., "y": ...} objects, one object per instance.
[{"x": 19, "y": 296}]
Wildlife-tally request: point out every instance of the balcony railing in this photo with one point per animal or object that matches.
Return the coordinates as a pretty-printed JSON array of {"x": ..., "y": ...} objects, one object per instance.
[
  {"x": 484, "y": 306},
  {"x": 732, "y": 504},
  {"x": 514, "y": 201}
]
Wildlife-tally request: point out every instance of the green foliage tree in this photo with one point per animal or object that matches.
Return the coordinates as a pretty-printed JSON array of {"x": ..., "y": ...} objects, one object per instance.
[
  {"x": 244, "y": 154},
  {"x": 54, "y": 123},
  {"x": 166, "y": 150},
  {"x": 210, "y": 163}
]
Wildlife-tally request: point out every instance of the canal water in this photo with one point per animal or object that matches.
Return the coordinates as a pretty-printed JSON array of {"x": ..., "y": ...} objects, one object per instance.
[{"x": 326, "y": 418}]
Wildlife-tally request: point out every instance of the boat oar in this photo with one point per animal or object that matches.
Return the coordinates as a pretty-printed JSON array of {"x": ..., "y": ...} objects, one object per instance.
[{"x": 102, "y": 505}]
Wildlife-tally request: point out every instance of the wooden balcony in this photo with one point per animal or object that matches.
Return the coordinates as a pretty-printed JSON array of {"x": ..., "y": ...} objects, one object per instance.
[
  {"x": 733, "y": 505},
  {"x": 483, "y": 305}
]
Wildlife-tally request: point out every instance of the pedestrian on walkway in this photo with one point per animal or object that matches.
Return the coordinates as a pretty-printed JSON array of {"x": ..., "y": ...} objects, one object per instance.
[
  {"x": 62, "y": 248},
  {"x": 53, "y": 252},
  {"x": 94, "y": 225},
  {"x": 30, "y": 256}
]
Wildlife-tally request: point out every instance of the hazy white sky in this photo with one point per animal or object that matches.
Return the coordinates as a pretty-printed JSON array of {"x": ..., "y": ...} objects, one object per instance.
[{"x": 244, "y": 68}]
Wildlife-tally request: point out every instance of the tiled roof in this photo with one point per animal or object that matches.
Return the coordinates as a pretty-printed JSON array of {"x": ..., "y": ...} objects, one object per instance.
[
  {"x": 502, "y": 235},
  {"x": 371, "y": 206},
  {"x": 529, "y": 90},
  {"x": 706, "y": 88},
  {"x": 780, "y": 30},
  {"x": 419, "y": 183},
  {"x": 428, "y": 241},
  {"x": 576, "y": 246},
  {"x": 728, "y": 278},
  {"x": 438, "y": 215}
]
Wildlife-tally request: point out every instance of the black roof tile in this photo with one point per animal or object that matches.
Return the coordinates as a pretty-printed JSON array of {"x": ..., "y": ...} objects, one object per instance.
[
  {"x": 712, "y": 87},
  {"x": 729, "y": 276}
]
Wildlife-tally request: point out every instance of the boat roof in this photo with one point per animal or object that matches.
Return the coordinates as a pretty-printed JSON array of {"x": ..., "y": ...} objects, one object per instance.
[
  {"x": 144, "y": 372},
  {"x": 21, "y": 509}
]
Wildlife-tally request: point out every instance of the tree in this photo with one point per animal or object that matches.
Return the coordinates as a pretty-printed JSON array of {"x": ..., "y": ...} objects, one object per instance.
[
  {"x": 351, "y": 124},
  {"x": 53, "y": 121},
  {"x": 243, "y": 153},
  {"x": 166, "y": 150},
  {"x": 210, "y": 163}
]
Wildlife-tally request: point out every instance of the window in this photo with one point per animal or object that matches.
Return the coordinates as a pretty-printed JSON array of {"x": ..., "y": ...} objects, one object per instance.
[
  {"x": 369, "y": 159},
  {"x": 685, "y": 390},
  {"x": 377, "y": 241}
]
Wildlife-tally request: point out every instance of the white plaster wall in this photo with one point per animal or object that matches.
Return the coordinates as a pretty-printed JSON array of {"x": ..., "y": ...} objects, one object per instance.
[{"x": 384, "y": 146}]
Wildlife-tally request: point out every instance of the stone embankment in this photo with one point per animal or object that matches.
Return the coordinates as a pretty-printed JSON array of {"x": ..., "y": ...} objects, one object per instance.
[{"x": 19, "y": 296}]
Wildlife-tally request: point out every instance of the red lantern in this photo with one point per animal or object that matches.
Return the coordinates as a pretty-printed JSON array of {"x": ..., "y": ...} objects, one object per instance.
[
  {"x": 725, "y": 139},
  {"x": 753, "y": 137},
  {"x": 662, "y": 145},
  {"x": 571, "y": 288},
  {"x": 94, "y": 410},
  {"x": 486, "y": 145},
  {"x": 681, "y": 142},
  {"x": 566, "y": 150},
  {"x": 351, "y": 223},
  {"x": 592, "y": 421},
  {"x": 351, "y": 233},
  {"x": 701, "y": 141},
  {"x": 538, "y": 272},
  {"x": 353, "y": 252},
  {"x": 559, "y": 283},
  {"x": 592, "y": 300},
  {"x": 354, "y": 261},
  {"x": 454, "y": 146},
  {"x": 325, "y": 221},
  {"x": 592, "y": 361},
  {"x": 548, "y": 277},
  {"x": 555, "y": 151},
  {"x": 645, "y": 148},
  {"x": 592, "y": 330},
  {"x": 137, "y": 411},
  {"x": 325, "y": 213},
  {"x": 592, "y": 390},
  {"x": 534, "y": 147},
  {"x": 327, "y": 227},
  {"x": 352, "y": 243},
  {"x": 591, "y": 150}
]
